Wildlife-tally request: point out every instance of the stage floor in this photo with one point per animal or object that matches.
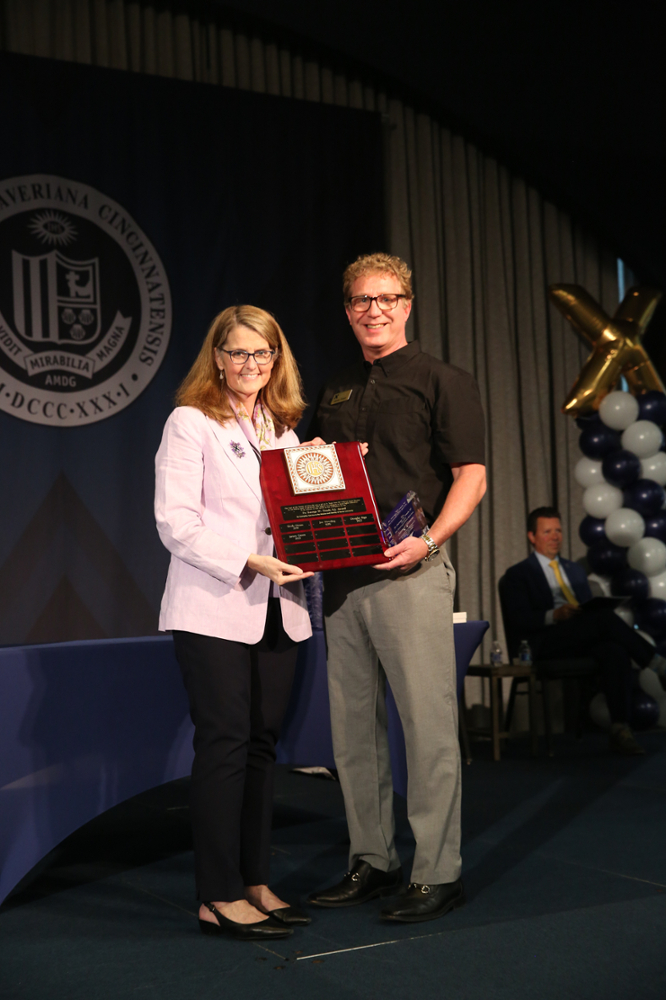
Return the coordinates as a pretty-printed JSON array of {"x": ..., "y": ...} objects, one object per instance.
[{"x": 564, "y": 866}]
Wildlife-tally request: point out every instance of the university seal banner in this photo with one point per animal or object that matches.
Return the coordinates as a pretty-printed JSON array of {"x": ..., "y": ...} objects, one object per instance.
[
  {"x": 85, "y": 309},
  {"x": 132, "y": 210}
]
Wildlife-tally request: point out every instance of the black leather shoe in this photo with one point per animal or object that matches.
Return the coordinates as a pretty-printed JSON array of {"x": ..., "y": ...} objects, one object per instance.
[
  {"x": 622, "y": 741},
  {"x": 292, "y": 916},
  {"x": 262, "y": 930},
  {"x": 363, "y": 882},
  {"x": 425, "y": 902}
]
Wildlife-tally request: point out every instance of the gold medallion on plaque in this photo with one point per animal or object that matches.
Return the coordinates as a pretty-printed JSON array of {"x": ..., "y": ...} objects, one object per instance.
[{"x": 314, "y": 470}]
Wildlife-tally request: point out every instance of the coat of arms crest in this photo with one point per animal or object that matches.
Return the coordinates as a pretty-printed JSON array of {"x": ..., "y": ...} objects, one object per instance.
[{"x": 56, "y": 299}]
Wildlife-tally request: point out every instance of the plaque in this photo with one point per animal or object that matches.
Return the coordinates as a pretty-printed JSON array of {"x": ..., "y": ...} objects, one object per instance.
[
  {"x": 321, "y": 507},
  {"x": 406, "y": 518}
]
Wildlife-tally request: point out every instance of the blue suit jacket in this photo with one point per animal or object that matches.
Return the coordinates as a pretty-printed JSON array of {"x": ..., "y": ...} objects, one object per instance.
[{"x": 525, "y": 597}]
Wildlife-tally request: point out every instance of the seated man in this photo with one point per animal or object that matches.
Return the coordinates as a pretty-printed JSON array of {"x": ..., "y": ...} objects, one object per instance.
[{"x": 541, "y": 599}]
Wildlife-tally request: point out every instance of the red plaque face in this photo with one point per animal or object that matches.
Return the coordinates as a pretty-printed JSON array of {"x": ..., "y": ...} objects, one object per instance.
[{"x": 321, "y": 507}]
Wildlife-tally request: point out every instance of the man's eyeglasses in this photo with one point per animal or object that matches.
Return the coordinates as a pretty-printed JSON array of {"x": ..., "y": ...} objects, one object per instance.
[
  {"x": 361, "y": 303},
  {"x": 240, "y": 357}
]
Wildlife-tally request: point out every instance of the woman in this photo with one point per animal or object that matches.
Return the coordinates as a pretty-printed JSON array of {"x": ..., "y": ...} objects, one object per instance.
[{"x": 235, "y": 611}]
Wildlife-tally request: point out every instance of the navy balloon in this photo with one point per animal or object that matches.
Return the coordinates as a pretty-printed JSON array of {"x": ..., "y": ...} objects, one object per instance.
[
  {"x": 651, "y": 617},
  {"x": 597, "y": 440},
  {"x": 630, "y": 583},
  {"x": 589, "y": 421},
  {"x": 621, "y": 468},
  {"x": 644, "y": 496},
  {"x": 655, "y": 526},
  {"x": 644, "y": 710},
  {"x": 592, "y": 531},
  {"x": 652, "y": 406},
  {"x": 606, "y": 559}
]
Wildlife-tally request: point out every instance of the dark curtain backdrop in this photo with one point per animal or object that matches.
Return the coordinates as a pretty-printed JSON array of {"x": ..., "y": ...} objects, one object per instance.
[
  {"x": 246, "y": 198},
  {"x": 483, "y": 243}
]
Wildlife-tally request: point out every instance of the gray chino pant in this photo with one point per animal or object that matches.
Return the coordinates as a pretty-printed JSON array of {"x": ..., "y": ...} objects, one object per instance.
[{"x": 396, "y": 626}]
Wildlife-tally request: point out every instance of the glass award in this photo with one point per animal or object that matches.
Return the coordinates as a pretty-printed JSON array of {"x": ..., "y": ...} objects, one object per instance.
[{"x": 406, "y": 518}]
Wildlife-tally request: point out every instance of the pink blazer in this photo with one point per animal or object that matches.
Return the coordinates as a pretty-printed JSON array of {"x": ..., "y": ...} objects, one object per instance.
[{"x": 210, "y": 515}]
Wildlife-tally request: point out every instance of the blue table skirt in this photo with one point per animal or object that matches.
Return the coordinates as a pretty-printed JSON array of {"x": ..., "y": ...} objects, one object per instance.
[{"x": 86, "y": 725}]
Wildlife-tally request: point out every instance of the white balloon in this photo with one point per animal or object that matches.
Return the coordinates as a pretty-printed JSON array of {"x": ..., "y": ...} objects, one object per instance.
[
  {"x": 602, "y": 500},
  {"x": 648, "y": 555},
  {"x": 657, "y": 585},
  {"x": 655, "y": 468},
  {"x": 643, "y": 438},
  {"x": 618, "y": 410},
  {"x": 626, "y": 614},
  {"x": 650, "y": 683},
  {"x": 599, "y": 585},
  {"x": 588, "y": 472},
  {"x": 599, "y": 711},
  {"x": 624, "y": 526}
]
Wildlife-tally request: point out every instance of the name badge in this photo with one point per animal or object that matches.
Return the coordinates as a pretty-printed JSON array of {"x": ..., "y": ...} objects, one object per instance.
[{"x": 341, "y": 397}]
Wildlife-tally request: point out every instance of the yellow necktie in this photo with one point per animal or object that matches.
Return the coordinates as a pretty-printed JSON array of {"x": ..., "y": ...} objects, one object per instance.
[{"x": 568, "y": 596}]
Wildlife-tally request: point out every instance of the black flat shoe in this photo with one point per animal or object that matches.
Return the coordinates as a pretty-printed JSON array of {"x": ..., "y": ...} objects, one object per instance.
[
  {"x": 363, "y": 882},
  {"x": 262, "y": 930},
  {"x": 425, "y": 902},
  {"x": 291, "y": 916}
]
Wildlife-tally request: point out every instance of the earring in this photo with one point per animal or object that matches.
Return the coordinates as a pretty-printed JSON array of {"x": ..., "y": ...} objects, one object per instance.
[{"x": 221, "y": 374}]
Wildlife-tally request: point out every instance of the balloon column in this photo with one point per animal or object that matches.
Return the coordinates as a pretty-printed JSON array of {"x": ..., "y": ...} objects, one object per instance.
[
  {"x": 623, "y": 471},
  {"x": 623, "y": 468}
]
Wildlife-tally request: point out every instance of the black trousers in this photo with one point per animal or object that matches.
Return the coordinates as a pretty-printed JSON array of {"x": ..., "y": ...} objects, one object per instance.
[
  {"x": 238, "y": 695},
  {"x": 603, "y": 636}
]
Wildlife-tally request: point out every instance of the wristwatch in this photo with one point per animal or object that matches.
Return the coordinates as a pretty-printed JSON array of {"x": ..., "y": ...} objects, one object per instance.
[{"x": 433, "y": 547}]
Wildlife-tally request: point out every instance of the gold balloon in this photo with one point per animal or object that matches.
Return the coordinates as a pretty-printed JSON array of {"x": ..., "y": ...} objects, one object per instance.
[{"x": 616, "y": 342}]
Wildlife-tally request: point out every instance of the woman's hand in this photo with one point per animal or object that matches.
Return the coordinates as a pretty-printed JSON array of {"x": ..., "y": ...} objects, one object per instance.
[
  {"x": 318, "y": 442},
  {"x": 275, "y": 570}
]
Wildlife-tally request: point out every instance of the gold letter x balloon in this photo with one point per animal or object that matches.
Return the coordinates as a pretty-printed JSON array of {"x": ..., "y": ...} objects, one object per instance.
[{"x": 616, "y": 342}]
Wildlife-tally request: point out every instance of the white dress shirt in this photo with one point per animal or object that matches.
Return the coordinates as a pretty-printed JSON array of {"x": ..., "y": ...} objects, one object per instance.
[{"x": 558, "y": 597}]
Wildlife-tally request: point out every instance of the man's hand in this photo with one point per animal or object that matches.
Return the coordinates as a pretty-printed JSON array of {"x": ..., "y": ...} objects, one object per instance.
[
  {"x": 318, "y": 442},
  {"x": 405, "y": 555},
  {"x": 275, "y": 570},
  {"x": 564, "y": 612}
]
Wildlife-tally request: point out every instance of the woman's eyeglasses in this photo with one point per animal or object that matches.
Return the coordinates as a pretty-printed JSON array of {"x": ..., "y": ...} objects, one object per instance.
[{"x": 240, "y": 357}]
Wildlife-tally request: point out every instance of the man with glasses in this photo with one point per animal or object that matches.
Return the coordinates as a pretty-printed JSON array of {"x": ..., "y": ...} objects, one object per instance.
[{"x": 423, "y": 423}]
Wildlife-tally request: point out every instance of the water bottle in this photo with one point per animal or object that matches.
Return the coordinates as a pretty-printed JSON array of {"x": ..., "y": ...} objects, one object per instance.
[
  {"x": 525, "y": 654},
  {"x": 495, "y": 654}
]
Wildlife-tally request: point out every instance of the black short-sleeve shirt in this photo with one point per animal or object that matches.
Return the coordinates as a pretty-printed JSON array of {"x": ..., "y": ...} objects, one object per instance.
[{"x": 418, "y": 415}]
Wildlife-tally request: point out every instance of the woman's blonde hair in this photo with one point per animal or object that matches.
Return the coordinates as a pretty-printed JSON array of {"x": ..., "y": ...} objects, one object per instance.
[{"x": 283, "y": 393}]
